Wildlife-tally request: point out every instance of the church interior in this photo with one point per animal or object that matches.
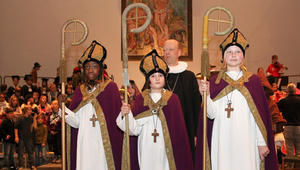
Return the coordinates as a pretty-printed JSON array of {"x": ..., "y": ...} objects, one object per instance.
[{"x": 35, "y": 32}]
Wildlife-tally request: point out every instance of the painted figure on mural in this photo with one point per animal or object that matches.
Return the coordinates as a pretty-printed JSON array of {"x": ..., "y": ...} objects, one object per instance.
[{"x": 169, "y": 21}]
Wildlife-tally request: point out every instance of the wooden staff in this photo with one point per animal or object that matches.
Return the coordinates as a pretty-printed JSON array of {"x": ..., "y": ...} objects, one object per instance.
[
  {"x": 205, "y": 66},
  {"x": 63, "y": 78},
  {"x": 205, "y": 73},
  {"x": 125, "y": 58}
]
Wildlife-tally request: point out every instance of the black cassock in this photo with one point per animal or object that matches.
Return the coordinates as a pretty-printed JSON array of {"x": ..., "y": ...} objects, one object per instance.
[{"x": 185, "y": 85}]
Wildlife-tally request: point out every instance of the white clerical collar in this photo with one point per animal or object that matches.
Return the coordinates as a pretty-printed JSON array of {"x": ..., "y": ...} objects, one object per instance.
[
  {"x": 235, "y": 75},
  {"x": 93, "y": 89},
  {"x": 180, "y": 67},
  {"x": 156, "y": 96}
]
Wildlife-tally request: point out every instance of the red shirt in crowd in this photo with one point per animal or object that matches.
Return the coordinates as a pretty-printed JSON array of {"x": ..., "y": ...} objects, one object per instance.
[{"x": 273, "y": 70}]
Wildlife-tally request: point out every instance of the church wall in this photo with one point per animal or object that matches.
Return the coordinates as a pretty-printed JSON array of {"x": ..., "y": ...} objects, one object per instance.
[{"x": 31, "y": 32}]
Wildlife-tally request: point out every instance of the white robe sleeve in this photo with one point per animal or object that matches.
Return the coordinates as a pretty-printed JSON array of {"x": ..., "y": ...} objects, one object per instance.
[
  {"x": 72, "y": 119},
  {"x": 134, "y": 128},
  {"x": 260, "y": 139},
  {"x": 211, "y": 108}
]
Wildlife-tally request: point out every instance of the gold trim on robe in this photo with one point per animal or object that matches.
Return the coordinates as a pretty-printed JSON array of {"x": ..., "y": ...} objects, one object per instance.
[
  {"x": 239, "y": 85},
  {"x": 92, "y": 97},
  {"x": 68, "y": 146}
]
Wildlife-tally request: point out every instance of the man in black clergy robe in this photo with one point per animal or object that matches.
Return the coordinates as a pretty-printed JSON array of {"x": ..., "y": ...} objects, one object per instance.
[{"x": 183, "y": 83}]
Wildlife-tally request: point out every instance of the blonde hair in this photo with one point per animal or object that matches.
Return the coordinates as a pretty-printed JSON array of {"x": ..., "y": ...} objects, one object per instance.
[
  {"x": 291, "y": 88},
  {"x": 11, "y": 99}
]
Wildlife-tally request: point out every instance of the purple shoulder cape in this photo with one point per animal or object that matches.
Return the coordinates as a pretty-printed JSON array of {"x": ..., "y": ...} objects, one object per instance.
[
  {"x": 256, "y": 90},
  {"x": 110, "y": 102},
  {"x": 177, "y": 129}
]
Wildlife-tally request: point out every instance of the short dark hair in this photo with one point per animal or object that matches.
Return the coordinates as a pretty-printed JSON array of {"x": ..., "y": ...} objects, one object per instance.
[
  {"x": 146, "y": 85},
  {"x": 36, "y": 65},
  {"x": 274, "y": 56},
  {"x": 3, "y": 87},
  {"x": 15, "y": 77},
  {"x": 148, "y": 82}
]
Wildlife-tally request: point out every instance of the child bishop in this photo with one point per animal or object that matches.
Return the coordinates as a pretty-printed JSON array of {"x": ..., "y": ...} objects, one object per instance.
[
  {"x": 157, "y": 121},
  {"x": 95, "y": 139}
]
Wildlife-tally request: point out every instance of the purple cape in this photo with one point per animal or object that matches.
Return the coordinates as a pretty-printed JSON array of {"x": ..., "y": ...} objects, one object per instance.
[
  {"x": 110, "y": 102},
  {"x": 256, "y": 90},
  {"x": 177, "y": 129}
]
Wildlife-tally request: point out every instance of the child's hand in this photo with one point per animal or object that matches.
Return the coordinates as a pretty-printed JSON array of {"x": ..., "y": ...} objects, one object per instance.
[
  {"x": 125, "y": 109},
  {"x": 7, "y": 137},
  {"x": 61, "y": 98},
  {"x": 263, "y": 152},
  {"x": 203, "y": 86}
]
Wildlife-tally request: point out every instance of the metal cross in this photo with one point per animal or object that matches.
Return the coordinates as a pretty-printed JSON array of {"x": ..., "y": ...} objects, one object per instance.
[
  {"x": 220, "y": 19},
  {"x": 136, "y": 17},
  {"x": 76, "y": 30}
]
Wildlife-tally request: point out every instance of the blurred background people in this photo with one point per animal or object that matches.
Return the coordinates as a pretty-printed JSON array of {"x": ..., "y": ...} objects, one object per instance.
[
  {"x": 274, "y": 70},
  {"x": 23, "y": 136},
  {"x": 34, "y": 73},
  {"x": 11, "y": 89},
  {"x": 7, "y": 132},
  {"x": 290, "y": 108}
]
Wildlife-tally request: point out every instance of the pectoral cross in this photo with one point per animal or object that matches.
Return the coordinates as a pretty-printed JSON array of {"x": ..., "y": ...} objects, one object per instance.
[
  {"x": 228, "y": 110},
  {"x": 93, "y": 119},
  {"x": 155, "y": 134}
]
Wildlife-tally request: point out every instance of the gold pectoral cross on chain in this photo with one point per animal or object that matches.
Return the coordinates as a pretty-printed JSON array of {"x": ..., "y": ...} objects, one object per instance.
[
  {"x": 228, "y": 110},
  {"x": 94, "y": 119},
  {"x": 155, "y": 134}
]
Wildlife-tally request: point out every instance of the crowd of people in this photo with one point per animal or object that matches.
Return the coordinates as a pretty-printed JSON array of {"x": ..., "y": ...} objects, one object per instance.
[
  {"x": 248, "y": 115},
  {"x": 29, "y": 122}
]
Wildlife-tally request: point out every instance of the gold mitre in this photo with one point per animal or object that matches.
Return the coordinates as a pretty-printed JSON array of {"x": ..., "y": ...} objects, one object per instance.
[
  {"x": 234, "y": 38},
  {"x": 152, "y": 63},
  {"x": 95, "y": 52}
]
